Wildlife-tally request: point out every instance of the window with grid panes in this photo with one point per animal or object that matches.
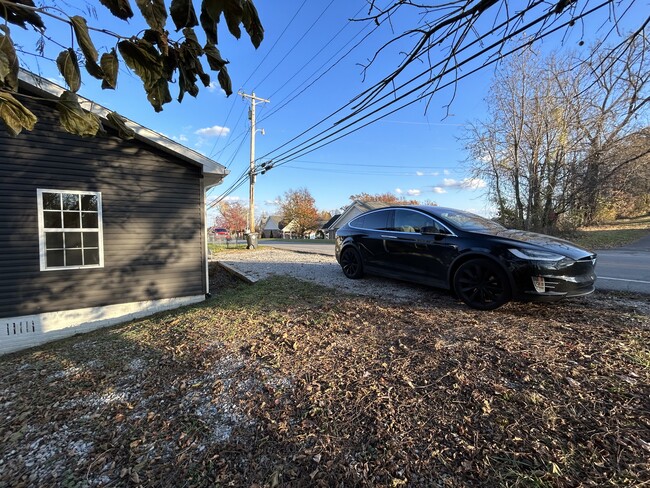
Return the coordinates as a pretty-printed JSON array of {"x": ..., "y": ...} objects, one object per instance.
[{"x": 70, "y": 224}]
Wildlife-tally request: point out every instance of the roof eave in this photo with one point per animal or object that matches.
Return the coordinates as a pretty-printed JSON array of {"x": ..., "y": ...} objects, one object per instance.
[{"x": 213, "y": 172}]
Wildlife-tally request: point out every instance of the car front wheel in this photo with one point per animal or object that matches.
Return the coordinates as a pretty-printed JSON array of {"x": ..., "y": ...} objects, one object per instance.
[
  {"x": 351, "y": 263},
  {"x": 482, "y": 284}
]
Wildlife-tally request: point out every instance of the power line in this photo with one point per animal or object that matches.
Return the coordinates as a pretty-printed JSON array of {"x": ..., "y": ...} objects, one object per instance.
[
  {"x": 295, "y": 45},
  {"x": 336, "y": 131},
  {"x": 284, "y": 102},
  {"x": 301, "y": 149},
  {"x": 275, "y": 43}
]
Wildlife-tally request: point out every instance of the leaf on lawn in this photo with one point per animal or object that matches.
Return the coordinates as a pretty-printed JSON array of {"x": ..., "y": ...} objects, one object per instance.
[
  {"x": 75, "y": 119},
  {"x": 15, "y": 115},
  {"x": 69, "y": 68}
]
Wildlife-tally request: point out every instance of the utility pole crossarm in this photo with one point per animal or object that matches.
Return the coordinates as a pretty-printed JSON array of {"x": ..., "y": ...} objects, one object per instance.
[{"x": 251, "y": 208}]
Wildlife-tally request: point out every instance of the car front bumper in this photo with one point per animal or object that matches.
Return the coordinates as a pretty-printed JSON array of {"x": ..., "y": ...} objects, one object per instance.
[{"x": 541, "y": 281}]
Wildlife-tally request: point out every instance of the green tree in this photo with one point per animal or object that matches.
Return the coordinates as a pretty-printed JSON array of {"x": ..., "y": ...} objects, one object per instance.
[{"x": 154, "y": 55}]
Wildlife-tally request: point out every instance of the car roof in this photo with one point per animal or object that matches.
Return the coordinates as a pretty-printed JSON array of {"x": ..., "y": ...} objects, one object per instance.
[{"x": 432, "y": 209}]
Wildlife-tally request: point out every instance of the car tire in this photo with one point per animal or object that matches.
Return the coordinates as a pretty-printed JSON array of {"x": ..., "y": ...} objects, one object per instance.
[
  {"x": 351, "y": 263},
  {"x": 482, "y": 284}
]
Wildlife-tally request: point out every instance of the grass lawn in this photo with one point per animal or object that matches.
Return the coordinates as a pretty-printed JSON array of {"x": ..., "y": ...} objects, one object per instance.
[
  {"x": 611, "y": 235},
  {"x": 286, "y": 383}
]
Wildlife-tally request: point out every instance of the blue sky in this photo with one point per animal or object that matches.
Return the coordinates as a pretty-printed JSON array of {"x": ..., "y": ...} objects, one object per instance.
[{"x": 308, "y": 66}]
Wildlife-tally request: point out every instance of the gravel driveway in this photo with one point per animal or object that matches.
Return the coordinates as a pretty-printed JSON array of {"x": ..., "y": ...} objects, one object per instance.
[{"x": 323, "y": 270}]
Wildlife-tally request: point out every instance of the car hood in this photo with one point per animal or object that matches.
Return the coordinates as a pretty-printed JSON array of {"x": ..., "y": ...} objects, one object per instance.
[{"x": 548, "y": 243}]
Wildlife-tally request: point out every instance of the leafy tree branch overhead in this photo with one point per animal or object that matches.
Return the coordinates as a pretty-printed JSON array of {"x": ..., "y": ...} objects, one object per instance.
[{"x": 154, "y": 55}]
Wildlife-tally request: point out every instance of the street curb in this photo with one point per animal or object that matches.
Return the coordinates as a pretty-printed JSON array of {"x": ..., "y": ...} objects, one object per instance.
[{"x": 243, "y": 276}]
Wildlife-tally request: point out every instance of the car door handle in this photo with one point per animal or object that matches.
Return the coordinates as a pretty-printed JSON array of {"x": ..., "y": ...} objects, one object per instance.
[{"x": 388, "y": 237}]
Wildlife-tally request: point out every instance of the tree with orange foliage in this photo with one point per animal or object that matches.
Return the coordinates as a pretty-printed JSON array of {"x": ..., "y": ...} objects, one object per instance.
[
  {"x": 232, "y": 216},
  {"x": 297, "y": 206},
  {"x": 388, "y": 198}
]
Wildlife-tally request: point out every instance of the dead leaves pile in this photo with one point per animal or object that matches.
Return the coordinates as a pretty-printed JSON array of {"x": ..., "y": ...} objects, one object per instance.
[{"x": 283, "y": 384}]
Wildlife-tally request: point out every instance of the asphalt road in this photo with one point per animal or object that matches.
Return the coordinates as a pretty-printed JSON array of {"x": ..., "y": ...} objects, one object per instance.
[
  {"x": 623, "y": 269},
  {"x": 626, "y": 268}
]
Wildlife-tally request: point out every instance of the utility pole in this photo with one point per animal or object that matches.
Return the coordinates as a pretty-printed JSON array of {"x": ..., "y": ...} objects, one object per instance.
[{"x": 251, "y": 206}]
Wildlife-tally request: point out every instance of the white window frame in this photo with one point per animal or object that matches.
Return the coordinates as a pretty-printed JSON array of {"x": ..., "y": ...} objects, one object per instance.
[{"x": 42, "y": 230}]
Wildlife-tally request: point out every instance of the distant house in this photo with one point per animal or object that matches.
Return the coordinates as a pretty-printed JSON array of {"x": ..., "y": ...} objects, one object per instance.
[
  {"x": 271, "y": 227},
  {"x": 290, "y": 230},
  {"x": 96, "y": 230},
  {"x": 323, "y": 231},
  {"x": 357, "y": 207}
]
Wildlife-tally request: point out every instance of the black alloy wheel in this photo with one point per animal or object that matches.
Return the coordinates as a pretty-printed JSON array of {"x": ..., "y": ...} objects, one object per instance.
[
  {"x": 482, "y": 284},
  {"x": 351, "y": 263}
]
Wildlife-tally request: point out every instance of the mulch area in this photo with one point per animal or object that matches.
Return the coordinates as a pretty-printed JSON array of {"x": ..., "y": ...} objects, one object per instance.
[{"x": 286, "y": 384}]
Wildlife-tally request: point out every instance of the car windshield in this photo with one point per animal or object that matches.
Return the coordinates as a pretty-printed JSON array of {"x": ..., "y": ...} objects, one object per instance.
[{"x": 470, "y": 222}]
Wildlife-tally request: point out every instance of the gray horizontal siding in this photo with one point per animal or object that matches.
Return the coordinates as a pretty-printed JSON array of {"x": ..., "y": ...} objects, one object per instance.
[{"x": 152, "y": 218}]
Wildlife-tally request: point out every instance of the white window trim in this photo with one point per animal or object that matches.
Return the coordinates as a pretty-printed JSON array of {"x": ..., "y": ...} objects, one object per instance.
[{"x": 41, "y": 230}]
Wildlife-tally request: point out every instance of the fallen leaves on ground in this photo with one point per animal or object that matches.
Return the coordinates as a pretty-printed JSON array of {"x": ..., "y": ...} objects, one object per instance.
[{"x": 285, "y": 383}]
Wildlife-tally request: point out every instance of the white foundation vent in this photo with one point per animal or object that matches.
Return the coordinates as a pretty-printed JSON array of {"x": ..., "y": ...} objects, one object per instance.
[{"x": 17, "y": 328}]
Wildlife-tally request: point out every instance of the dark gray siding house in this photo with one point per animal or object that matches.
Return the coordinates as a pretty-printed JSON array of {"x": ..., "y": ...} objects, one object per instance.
[{"x": 94, "y": 231}]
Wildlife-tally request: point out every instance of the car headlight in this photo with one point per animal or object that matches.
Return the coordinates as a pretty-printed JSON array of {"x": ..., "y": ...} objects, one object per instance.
[{"x": 535, "y": 255}]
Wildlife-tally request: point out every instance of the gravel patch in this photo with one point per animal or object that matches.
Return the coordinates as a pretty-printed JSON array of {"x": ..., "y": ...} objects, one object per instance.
[{"x": 323, "y": 270}]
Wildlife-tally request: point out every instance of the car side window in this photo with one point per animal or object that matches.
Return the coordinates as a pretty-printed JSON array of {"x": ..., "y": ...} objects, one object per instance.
[
  {"x": 410, "y": 221},
  {"x": 376, "y": 220}
]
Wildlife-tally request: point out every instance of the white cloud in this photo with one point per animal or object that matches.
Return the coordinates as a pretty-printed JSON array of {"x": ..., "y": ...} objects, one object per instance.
[
  {"x": 419, "y": 173},
  {"x": 439, "y": 190},
  {"x": 473, "y": 183},
  {"x": 214, "y": 131},
  {"x": 272, "y": 202},
  {"x": 215, "y": 86},
  {"x": 465, "y": 184},
  {"x": 447, "y": 172},
  {"x": 413, "y": 193},
  {"x": 232, "y": 199},
  {"x": 398, "y": 191}
]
